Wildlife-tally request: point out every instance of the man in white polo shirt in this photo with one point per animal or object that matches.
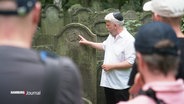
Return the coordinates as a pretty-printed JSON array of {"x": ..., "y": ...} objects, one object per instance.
[{"x": 118, "y": 59}]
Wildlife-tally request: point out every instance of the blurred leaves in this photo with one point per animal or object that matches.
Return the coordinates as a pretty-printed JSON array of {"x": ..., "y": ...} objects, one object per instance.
[{"x": 133, "y": 26}]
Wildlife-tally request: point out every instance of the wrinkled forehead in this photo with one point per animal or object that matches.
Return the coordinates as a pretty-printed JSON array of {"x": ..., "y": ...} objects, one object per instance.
[{"x": 107, "y": 22}]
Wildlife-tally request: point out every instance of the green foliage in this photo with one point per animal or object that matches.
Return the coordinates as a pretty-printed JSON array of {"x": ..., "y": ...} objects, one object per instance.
[
  {"x": 137, "y": 5},
  {"x": 132, "y": 26},
  {"x": 182, "y": 25}
]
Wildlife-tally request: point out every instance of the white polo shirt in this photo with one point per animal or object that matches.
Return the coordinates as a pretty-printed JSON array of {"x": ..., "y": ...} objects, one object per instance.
[{"x": 117, "y": 50}]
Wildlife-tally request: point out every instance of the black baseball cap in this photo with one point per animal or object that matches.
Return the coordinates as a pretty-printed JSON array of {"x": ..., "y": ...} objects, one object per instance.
[
  {"x": 150, "y": 34},
  {"x": 23, "y": 7}
]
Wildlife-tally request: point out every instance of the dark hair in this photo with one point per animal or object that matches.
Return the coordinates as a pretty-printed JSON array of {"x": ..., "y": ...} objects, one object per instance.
[{"x": 163, "y": 63}]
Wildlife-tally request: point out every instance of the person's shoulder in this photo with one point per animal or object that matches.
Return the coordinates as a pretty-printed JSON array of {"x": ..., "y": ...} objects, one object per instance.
[
  {"x": 67, "y": 64},
  {"x": 127, "y": 34},
  {"x": 63, "y": 65},
  {"x": 68, "y": 77},
  {"x": 60, "y": 62}
]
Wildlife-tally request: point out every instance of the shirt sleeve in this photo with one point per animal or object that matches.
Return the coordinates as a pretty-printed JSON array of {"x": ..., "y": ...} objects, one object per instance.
[{"x": 130, "y": 52}]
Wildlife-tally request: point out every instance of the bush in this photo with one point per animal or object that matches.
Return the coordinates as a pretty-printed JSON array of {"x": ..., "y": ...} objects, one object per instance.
[{"x": 132, "y": 26}]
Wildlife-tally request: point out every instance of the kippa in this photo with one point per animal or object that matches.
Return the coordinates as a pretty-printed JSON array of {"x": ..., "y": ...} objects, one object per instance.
[
  {"x": 115, "y": 17},
  {"x": 165, "y": 8},
  {"x": 23, "y": 7},
  {"x": 151, "y": 34}
]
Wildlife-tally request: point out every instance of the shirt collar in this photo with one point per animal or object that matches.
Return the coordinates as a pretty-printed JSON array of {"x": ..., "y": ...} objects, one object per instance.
[
  {"x": 122, "y": 33},
  {"x": 165, "y": 86}
]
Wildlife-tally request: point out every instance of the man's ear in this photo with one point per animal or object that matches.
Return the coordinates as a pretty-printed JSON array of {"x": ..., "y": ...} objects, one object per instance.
[
  {"x": 156, "y": 17},
  {"x": 37, "y": 11}
]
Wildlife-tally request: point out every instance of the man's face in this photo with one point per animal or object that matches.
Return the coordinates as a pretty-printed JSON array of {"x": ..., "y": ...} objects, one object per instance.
[{"x": 110, "y": 27}]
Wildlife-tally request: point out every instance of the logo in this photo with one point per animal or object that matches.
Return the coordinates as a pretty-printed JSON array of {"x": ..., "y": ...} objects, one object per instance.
[{"x": 26, "y": 93}]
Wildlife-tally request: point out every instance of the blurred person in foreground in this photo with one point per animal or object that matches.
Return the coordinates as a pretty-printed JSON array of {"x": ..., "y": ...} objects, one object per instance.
[
  {"x": 170, "y": 12},
  {"x": 157, "y": 57},
  {"x": 118, "y": 59},
  {"x": 23, "y": 72}
]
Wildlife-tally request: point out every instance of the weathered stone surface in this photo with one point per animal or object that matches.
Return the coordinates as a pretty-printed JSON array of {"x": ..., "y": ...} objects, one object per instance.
[
  {"x": 42, "y": 39},
  {"x": 79, "y": 14},
  {"x": 130, "y": 14},
  {"x": 67, "y": 44},
  {"x": 52, "y": 20}
]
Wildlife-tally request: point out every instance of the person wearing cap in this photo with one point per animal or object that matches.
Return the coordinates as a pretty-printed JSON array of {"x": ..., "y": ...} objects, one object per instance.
[
  {"x": 23, "y": 72},
  {"x": 157, "y": 57},
  {"x": 170, "y": 12},
  {"x": 118, "y": 59}
]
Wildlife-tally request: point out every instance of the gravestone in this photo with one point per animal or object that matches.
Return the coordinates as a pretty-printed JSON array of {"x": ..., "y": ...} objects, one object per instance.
[
  {"x": 52, "y": 20},
  {"x": 42, "y": 41},
  {"x": 96, "y": 5},
  {"x": 67, "y": 44},
  {"x": 130, "y": 15},
  {"x": 98, "y": 26},
  {"x": 78, "y": 14}
]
